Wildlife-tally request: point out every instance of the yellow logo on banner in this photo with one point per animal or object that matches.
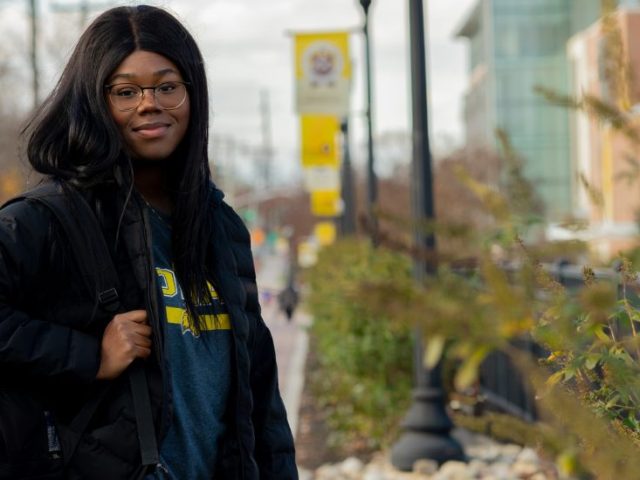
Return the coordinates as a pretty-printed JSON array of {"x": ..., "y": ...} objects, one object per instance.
[
  {"x": 323, "y": 73},
  {"x": 320, "y": 140},
  {"x": 326, "y": 203},
  {"x": 325, "y": 233},
  {"x": 321, "y": 178}
]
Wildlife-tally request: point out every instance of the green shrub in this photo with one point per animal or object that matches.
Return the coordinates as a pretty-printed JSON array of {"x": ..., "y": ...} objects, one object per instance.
[{"x": 364, "y": 379}]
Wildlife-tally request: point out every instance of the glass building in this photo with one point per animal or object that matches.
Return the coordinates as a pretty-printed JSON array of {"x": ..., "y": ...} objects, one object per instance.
[{"x": 516, "y": 45}]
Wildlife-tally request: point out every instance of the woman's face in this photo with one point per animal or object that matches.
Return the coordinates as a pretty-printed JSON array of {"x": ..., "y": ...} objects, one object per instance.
[{"x": 150, "y": 132}]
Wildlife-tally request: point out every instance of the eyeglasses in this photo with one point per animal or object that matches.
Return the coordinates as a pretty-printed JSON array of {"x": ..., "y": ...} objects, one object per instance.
[{"x": 128, "y": 96}]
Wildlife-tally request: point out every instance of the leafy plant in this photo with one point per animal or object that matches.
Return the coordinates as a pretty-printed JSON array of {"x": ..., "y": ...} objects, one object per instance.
[{"x": 364, "y": 375}]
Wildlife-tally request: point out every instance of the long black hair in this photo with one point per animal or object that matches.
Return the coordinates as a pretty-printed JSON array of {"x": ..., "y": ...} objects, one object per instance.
[{"x": 73, "y": 137}]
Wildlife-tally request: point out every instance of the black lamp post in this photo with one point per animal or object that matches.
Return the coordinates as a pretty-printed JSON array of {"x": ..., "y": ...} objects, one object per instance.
[
  {"x": 372, "y": 184},
  {"x": 426, "y": 424},
  {"x": 348, "y": 223},
  {"x": 33, "y": 52}
]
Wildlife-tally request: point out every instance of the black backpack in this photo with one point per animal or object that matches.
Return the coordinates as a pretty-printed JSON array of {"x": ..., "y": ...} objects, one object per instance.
[{"x": 83, "y": 231}]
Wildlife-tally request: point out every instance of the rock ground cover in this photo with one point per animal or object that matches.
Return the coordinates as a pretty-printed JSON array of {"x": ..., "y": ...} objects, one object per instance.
[{"x": 487, "y": 459}]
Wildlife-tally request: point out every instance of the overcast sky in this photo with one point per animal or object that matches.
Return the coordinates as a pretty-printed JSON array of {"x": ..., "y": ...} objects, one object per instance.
[{"x": 247, "y": 49}]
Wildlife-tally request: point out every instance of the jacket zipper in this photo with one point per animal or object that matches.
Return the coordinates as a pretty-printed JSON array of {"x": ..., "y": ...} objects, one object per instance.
[
  {"x": 53, "y": 442},
  {"x": 153, "y": 310},
  {"x": 152, "y": 300}
]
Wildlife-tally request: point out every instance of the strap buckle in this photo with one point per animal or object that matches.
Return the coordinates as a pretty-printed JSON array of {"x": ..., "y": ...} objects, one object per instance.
[{"x": 108, "y": 297}]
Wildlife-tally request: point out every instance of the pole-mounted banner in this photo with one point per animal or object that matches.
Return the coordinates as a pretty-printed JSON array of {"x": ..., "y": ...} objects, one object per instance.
[{"x": 323, "y": 73}]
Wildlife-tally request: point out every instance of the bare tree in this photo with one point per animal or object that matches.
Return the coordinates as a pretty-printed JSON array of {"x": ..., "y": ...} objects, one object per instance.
[{"x": 12, "y": 170}]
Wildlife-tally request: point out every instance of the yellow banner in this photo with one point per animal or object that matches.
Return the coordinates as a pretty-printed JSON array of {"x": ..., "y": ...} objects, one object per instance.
[
  {"x": 325, "y": 233},
  {"x": 323, "y": 73},
  {"x": 320, "y": 146},
  {"x": 326, "y": 203}
]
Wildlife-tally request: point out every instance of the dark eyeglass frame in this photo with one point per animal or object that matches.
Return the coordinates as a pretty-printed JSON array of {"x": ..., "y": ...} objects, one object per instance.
[{"x": 141, "y": 97}]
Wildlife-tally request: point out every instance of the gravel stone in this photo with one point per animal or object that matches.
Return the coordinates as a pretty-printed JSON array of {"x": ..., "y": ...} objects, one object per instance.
[
  {"x": 528, "y": 455},
  {"x": 425, "y": 467},
  {"x": 374, "y": 475},
  {"x": 453, "y": 470},
  {"x": 525, "y": 469},
  {"x": 351, "y": 467},
  {"x": 477, "y": 468},
  {"x": 510, "y": 452}
]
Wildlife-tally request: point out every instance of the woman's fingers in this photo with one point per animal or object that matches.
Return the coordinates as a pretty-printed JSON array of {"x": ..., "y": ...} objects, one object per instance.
[
  {"x": 142, "y": 340},
  {"x": 126, "y": 337},
  {"x": 142, "y": 352},
  {"x": 138, "y": 316}
]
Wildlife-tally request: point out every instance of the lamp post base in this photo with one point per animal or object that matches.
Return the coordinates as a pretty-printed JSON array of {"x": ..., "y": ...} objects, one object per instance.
[{"x": 426, "y": 436}]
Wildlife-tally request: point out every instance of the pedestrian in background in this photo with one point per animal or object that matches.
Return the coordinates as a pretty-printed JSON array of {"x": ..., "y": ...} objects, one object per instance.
[
  {"x": 288, "y": 300},
  {"x": 126, "y": 127}
]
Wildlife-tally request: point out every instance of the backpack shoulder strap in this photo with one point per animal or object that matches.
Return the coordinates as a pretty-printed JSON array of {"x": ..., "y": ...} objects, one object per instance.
[{"x": 89, "y": 247}]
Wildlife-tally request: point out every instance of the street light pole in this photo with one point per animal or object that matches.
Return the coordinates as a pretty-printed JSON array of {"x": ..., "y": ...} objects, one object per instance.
[
  {"x": 372, "y": 183},
  {"x": 33, "y": 14},
  {"x": 426, "y": 424},
  {"x": 348, "y": 224}
]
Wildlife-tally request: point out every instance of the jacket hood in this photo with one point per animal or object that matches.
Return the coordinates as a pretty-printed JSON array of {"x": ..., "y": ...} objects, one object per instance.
[{"x": 217, "y": 195}]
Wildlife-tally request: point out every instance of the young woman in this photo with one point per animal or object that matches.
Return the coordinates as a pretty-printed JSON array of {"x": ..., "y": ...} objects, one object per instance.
[{"x": 127, "y": 128}]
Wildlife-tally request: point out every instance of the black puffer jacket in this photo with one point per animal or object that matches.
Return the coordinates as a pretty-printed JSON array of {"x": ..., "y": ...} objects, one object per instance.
[{"x": 50, "y": 334}]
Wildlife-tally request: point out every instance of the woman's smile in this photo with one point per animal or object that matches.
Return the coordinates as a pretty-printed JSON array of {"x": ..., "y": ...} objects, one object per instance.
[{"x": 152, "y": 130}]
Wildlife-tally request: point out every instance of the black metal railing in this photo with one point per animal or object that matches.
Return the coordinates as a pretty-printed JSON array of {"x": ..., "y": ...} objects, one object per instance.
[{"x": 502, "y": 386}]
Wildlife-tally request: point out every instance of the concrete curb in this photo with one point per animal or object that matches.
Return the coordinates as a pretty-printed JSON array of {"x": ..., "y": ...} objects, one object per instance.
[{"x": 295, "y": 373}]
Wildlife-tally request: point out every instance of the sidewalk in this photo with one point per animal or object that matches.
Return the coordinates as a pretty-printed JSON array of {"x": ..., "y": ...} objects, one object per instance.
[
  {"x": 290, "y": 338},
  {"x": 291, "y": 342}
]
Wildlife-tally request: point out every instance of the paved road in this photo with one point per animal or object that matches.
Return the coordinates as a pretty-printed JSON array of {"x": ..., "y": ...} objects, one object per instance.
[{"x": 290, "y": 338}]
